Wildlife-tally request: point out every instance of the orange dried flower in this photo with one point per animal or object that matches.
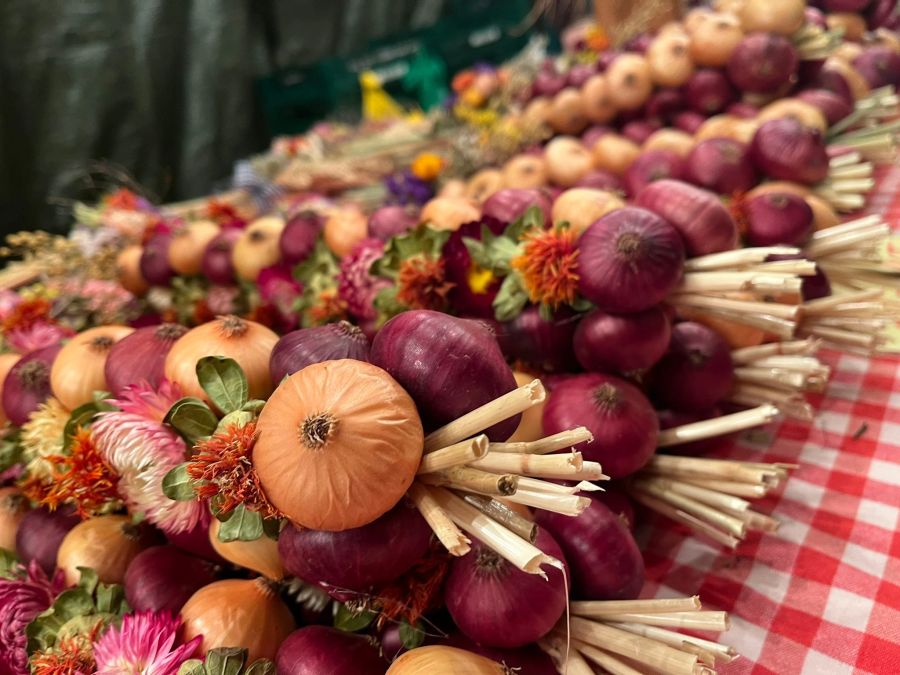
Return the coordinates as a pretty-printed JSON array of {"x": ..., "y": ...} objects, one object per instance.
[
  {"x": 421, "y": 283},
  {"x": 223, "y": 464},
  {"x": 26, "y": 314},
  {"x": 329, "y": 307},
  {"x": 123, "y": 198},
  {"x": 415, "y": 593},
  {"x": 549, "y": 266},
  {"x": 72, "y": 655}
]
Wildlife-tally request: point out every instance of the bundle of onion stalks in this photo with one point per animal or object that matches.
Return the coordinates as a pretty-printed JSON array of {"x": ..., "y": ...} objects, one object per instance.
[{"x": 631, "y": 637}]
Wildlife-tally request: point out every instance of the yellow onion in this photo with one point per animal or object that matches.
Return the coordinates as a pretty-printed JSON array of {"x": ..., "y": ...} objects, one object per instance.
[
  {"x": 128, "y": 270},
  {"x": 669, "y": 59},
  {"x": 783, "y": 17},
  {"x": 727, "y": 126},
  {"x": 714, "y": 39},
  {"x": 78, "y": 370},
  {"x": 672, "y": 140},
  {"x": 805, "y": 113},
  {"x": 257, "y": 247},
  {"x": 344, "y": 228},
  {"x": 449, "y": 213},
  {"x": 452, "y": 188},
  {"x": 580, "y": 207},
  {"x": 567, "y": 114},
  {"x": 106, "y": 544},
  {"x": 245, "y": 612},
  {"x": 597, "y": 103},
  {"x": 630, "y": 81},
  {"x": 247, "y": 342},
  {"x": 614, "y": 153},
  {"x": 525, "y": 172},
  {"x": 530, "y": 427},
  {"x": 189, "y": 244},
  {"x": 567, "y": 160},
  {"x": 483, "y": 184},
  {"x": 859, "y": 87},
  {"x": 440, "y": 660},
  {"x": 259, "y": 555},
  {"x": 7, "y": 361},
  {"x": 853, "y": 25},
  {"x": 536, "y": 112},
  {"x": 13, "y": 507}
]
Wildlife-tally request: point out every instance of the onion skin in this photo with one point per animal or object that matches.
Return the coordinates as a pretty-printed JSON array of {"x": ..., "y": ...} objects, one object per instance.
[
  {"x": 128, "y": 270},
  {"x": 709, "y": 92},
  {"x": 441, "y": 660},
  {"x": 567, "y": 160},
  {"x": 619, "y": 416},
  {"x": 776, "y": 16},
  {"x": 162, "y": 578},
  {"x": 140, "y": 356},
  {"x": 320, "y": 650},
  {"x": 604, "y": 560},
  {"x": 834, "y": 107},
  {"x": 598, "y": 105},
  {"x": 713, "y": 40},
  {"x": 259, "y": 555},
  {"x": 614, "y": 153},
  {"x": 629, "y": 260},
  {"x": 721, "y": 165},
  {"x": 622, "y": 343},
  {"x": 696, "y": 373},
  {"x": 7, "y": 361},
  {"x": 784, "y": 149},
  {"x": 430, "y": 353},
  {"x": 762, "y": 63},
  {"x": 630, "y": 82},
  {"x": 238, "y": 612},
  {"x": 545, "y": 345},
  {"x": 79, "y": 368},
  {"x": 298, "y": 238},
  {"x": 216, "y": 265},
  {"x": 638, "y": 131},
  {"x": 13, "y": 508},
  {"x": 196, "y": 542},
  {"x": 527, "y": 660},
  {"x": 40, "y": 534},
  {"x": 689, "y": 121},
  {"x": 508, "y": 205},
  {"x": 653, "y": 165},
  {"x": 154, "y": 264},
  {"x": 598, "y": 179},
  {"x": 496, "y": 604},
  {"x": 359, "y": 559},
  {"x": 702, "y": 221},
  {"x": 483, "y": 184},
  {"x": 107, "y": 544},
  {"x": 524, "y": 172},
  {"x": 390, "y": 221},
  {"x": 880, "y": 66},
  {"x": 566, "y": 114},
  {"x": 664, "y": 104},
  {"x": 581, "y": 206},
  {"x": 777, "y": 218},
  {"x": 306, "y": 346},
  {"x": 805, "y": 113},
  {"x": 257, "y": 247},
  {"x": 188, "y": 245},
  {"x": 616, "y": 499},
  {"x": 26, "y": 386}
]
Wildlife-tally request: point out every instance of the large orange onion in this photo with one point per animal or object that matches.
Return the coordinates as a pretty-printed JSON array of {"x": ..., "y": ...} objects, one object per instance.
[
  {"x": 128, "y": 270},
  {"x": 344, "y": 228},
  {"x": 713, "y": 40},
  {"x": 259, "y": 555},
  {"x": 524, "y": 172},
  {"x": 784, "y": 17},
  {"x": 257, "y": 247},
  {"x": 581, "y": 207},
  {"x": 441, "y": 660},
  {"x": 245, "y": 612},
  {"x": 13, "y": 507},
  {"x": 339, "y": 443},
  {"x": 7, "y": 361},
  {"x": 598, "y": 104},
  {"x": 189, "y": 244},
  {"x": 672, "y": 140},
  {"x": 566, "y": 114},
  {"x": 567, "y": 160},
  {"x": 614, "y": 153},
  {"x": 78, "y": 370},
  {"x": 106, "y": 544},
  {"x": 247, "y": 342},
  {"x": 449, "y": 213},
  {"x": 483, "y": 184}
]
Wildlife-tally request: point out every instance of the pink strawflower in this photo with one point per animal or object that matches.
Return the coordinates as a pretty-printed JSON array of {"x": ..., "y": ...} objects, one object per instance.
[
  {"x": 21, "y": 600},
  {"x": 145, "y": 644},
  {"x": 37, "y": 336},
  {"x": 222, "y": 299},
  {"x": 357, "y": 286}
]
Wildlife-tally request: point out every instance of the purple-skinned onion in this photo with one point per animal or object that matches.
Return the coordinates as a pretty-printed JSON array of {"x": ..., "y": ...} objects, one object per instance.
[
  {"x": 321, "y": 650},
  {"x": 141, "y": 356},
  {"x": 510, "y": 204},
  {"x": 709, "y": 92},
  {"x": 527, "y": 660},
  {"x": 742, "y": 109},
  {"x": 390, "y": 221},
  {"x": 638, "y": 131},
  {"x": 653, "y": 165},
  {"x": 621, "y": 343},
  {"x": 880, "y": 66},
  {"x": 599, "y": 179},
  {"x": 217, "y": 266},
  {"x": 27, "y": 384},
  {"x": 664, "y": 104},
  {"x": 785, "y": 149},
  {"x": 299, "y": 236},
  {"x": 40, "y": 535},
  {"x": 689, "y": 121},
  {"x": 162, "y": 578},
  {"x": 834, "y": 107},
  {"x": 155, "y": 267},
  {"x": 303, "y": 347},
  {"x": 616, "y": 499},
  {"x": 538, "y": 343},
  {"x": 777, "y": 218},
  {"x": 762, "y": 63},
  {"x": 722, "y": 166},
  {"x": 812, "y": 287}
]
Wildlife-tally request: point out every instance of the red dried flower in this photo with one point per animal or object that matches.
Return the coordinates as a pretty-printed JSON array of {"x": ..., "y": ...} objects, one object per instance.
[
  {"x": 415, "y": 593},
  {"x": 72, "y": 656},
  {"x": 329, "y": 307},
  {"x": 26, "y": 314},
  {"x": 549, "y": 264},
  {"x": 421, "y": 283},
  {"x": 221, "y": 211},
  {"x": 123, "y": 198}
]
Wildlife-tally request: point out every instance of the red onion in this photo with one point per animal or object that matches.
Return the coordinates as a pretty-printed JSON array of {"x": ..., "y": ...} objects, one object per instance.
[
  {"x": 593, "y": 134},
  {"x": 663, "y": 104},
  {"x": 306, "y": 346},
  {"x": 650, "y": 166},
  {"x": 815, "y": 17},
  {"x": 831, "y": 80},
  {"x": 689, "y": 121},
  {"x": 162, "y": 578},
  {"x": 639, "y": 131},
  {"x": 217, "y": 266},
  {"x": 639, "y": 43},
  {"x": 881, "y": 13},
  {"x": 622, "y": 343},
  {"x": 601, "y": 180},
  {"x": 701, "y": 219},
  {"x": 785, "y": 149},
  {"x": 811, "y": 287},
  {"x": 548, "y": 82},
  {"x": 298, "y": 238},
  {"x": 619, "y": 416},
  {"x": 675, "y": 418},
  {"x": 605, "y": 59},
  {"x": 360, "y": 558},
  {"x": 498, "y": 605},
  {"x": 696, "y": 372},
  {"x": 762, "y": 63},
  {"x": 777, "y": 218},
  {"x": 603, "y": 558},
  {"x": 154, "y": 263},
  {"x": 722, "y": 166},
  {"x": 27, "y": 384},
  {"x": 509, "y": 204},
  {"x": 855, "y": 6},
  {"x": 880, "y": 66},
  {"x": 743, "y": 110},
  {"x": 141, "y": 356},
  {"x": 629, "y": 260},
  {"x": 834, "y": 107},
  {"x": 617, "y": 500},
  {"x": 431, "y": 354},
  {"x": 527, "y": 660},
  {"x": 579, "y": 74},
  {"x": 709, "y": 92},
  {"x": 320, "y": 650},
  {"x": 389, "y": 221},
  {"x": 545, "y": 345},
  {"x": 196, "y": 542},
  {"x": 41, "y": 532}
]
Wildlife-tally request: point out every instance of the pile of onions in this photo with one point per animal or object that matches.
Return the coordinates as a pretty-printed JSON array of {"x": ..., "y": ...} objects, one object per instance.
[
  {"x": 777, "y": 218},
  {"x": 442, "y": 660},
  {"x": 603, "y": 558},
  {"x": 696, "y": 372},
  {"x": 257, "y": 247},
  {"x": 40, "y": 534},
  {"x": 345, "y": 431},
  {"x": 79, "y": 368},
  {"x": 154, "y": 263},
  {"x": 390, "y": 221},
  {"x": 787, "y": 150},
  {"x": 141, "y": 356},
  {"x": 128, "y": 270},
  {"x": 496, "y": 604},
  {"x": 650, "y": 166},
  {"x": 834, "y": 107},
  {"x": 722, "y": 166},
  {"x": 699, "y": 216},
  {"x": 630, "y": 81},
  {"x": 27, "y": 384},
  {"x": 510, "y": 204},
  {"x": 358, "y": 559},
  {"x": 247, "y": 342},
  {"x": 188, "y": 245},
  {"x": 567, "y": 160},
  {"x": 303, "y": 347},
  {"x": 216, "y": 265},
  {"x": 13, "y": 507},
  {"x": 621, "y": 343},
  {"x": 7, "y": 361},
  {"x": 106, "y": 544},
  {"x": 317, "y": 650},
  {"x": 162, "y": 578},
  {"x": 880, "y": 66},
  {"x": 431, "y": 354},
  {"x": 629, "y": 260},
  {"x": 763, "y": 63},
  {"x": 524, "y": 172},
  {"x": 259, "y": 555},
  {"x": 581, "y": 206},
  {"x": 614, "y": 153},
  {"x": 238, "y": 612},
  {"x": 539, "y": 343},
  {"x": 709, "y": 92},
  {"x": 298, "y": 238},
  {"x": 619, "y": 416},
  {"x": 783, "y": 17}
]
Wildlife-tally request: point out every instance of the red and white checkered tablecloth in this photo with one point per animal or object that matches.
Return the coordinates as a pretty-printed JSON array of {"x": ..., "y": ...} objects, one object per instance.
[{"x": 821, "y": 595}]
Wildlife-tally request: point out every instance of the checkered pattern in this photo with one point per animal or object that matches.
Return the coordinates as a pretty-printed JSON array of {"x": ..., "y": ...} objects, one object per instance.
[{"x": 821, "y": 595}]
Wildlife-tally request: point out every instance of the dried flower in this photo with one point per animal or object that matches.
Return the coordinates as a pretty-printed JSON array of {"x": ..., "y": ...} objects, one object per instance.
[
  {"x": 416, "y": 592},
  {"x": 357, "y": 286},
  {"x": 329, "y": 307},
  {"x": 70, "y": 656},
  {"x": 21, "y": 599},
  {"x": 474, "y": 288},
  {"x": 549, "y": 264},
  {"x": 27, "y": 313},
  {"x": 42, "y": 437},
  {"x": 427, "y": 166},
  {"x": 422, "y": 284},
  {"x": 145, "y": 644},
  {"x": 37, "y": 336}
]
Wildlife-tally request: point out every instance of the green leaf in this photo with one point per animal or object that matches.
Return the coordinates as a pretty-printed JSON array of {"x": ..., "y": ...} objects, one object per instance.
[
  {"x": 236, "y": 418},
  {"x": 215, "y": 507},
  {"x": 178, "y": 485},
  {"x": 272, "y": 527},
  {"x": 411, "y": 636},
  {"x": 477, "y": 251},
  {"x": 82, "y": 416},
  {"x": 581, "y": 304},
  {"x": 110, "y": 598},
  {"x": 192, "y": 418},
  {"x": 242, "y": 525},
  {"x": 254, "y": 405},
  {"x": 9, "y": 564},
  {"x": 352, "y": 621},
  {"x": 387, "y": 304},
  {"x": 192, "y": 667},
  {"x": 420, "y": 241},
  {"x": 225, "y": 660},
  {"x": 224, "y": 382},
  {"x": 545, "y": 311},
  {"x": 261, "y": 667},
  {"x": 10, "y": 449},
  {"x": 88, "y": 579},
  {"x": 511, "y": 299}
]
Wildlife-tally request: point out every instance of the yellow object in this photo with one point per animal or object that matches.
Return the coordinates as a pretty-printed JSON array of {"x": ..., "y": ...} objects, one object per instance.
[
  {"x": 376, "y": 103},
  {"x": 479, "y": 279},
  {"x": 427, "y": 166}
]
